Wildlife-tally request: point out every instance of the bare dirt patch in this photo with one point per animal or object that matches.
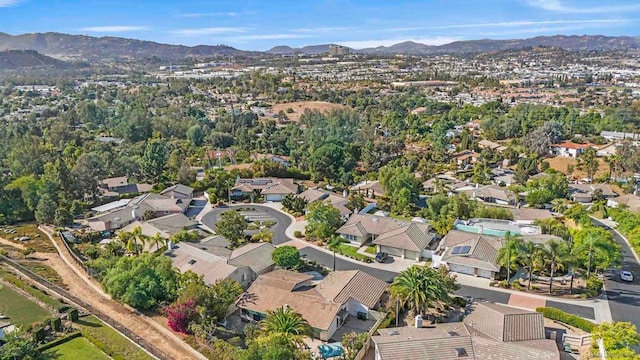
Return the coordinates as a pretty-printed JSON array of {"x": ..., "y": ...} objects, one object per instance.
[
  {"x": 560, "y": 163},
  {"x": 299, "y": 107}
]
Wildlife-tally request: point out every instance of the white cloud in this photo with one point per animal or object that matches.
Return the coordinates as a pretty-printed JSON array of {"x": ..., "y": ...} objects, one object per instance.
[
  {"x": 361, "y": 44},
  {"x": 9, "y": 3},
  {"x": 208, "y": 31},
  {"x": 509, "y": 24},
  {"x": 216, "y": 14},
  {"x": 325, "y": 29},
  {"x": 559, "y": 6},
  {"x": 115, "y": 28}
]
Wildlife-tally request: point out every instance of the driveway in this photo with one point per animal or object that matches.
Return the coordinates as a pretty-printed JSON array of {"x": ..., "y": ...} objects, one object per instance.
[
  {"x": 282, "y": 220},
  {"x": 624, "y": 297}
]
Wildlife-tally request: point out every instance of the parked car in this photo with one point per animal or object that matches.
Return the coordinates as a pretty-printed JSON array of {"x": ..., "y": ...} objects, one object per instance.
[
  {"x": 626, "y": 276},
  {"x": 381, "y": 257}
]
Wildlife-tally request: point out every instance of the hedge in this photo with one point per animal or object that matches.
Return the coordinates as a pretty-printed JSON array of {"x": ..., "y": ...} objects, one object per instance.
[
  {"x": 57, "y": 342},
  {"x": 569, "y": 319}
]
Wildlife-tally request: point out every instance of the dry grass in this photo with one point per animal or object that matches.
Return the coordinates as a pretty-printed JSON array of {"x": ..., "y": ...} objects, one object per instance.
[
  {"x": 39, "y": 242},
  {"x": 560, "y": 163},
  {"x": 300, "y": 106}
]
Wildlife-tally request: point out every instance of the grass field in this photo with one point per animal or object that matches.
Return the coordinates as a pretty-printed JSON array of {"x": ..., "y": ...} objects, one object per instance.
[
  {"x": 113, "y": 343},
  {"x": 349, "y": 250},
  {"x": 372, "y": 249},
  {"x": 20, "y": 310},
  {"x": 78, "y": 348}
]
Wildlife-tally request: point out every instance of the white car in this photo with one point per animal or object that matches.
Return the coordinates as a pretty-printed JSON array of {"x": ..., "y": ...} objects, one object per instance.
[{"x": 626, "y": 276}]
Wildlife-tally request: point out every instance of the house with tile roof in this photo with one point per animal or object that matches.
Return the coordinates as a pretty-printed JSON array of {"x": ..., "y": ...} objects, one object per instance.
[
  {"x": 120, "y": 185},
  {"x": 631, "y": 201},
  {"x": 178, "y": 191},
  {"x": 325, "y": 304},
  {"x": 492, "y": 194},
  {"x": 166, "y": 226},
  {"x": 490, "y": 331},
  {"x": 584, "y": 193},
  {"x": 471, "y": 254},
  {"x": 336, "y": 201},
  {"x": 272, "y": 189},
  {"x": 405, "y": 239},
  {"x": 215, "y": 262}
]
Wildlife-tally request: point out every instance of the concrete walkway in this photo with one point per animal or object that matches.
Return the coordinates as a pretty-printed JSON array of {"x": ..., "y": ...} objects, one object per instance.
[{"x": 600, "y": 306}]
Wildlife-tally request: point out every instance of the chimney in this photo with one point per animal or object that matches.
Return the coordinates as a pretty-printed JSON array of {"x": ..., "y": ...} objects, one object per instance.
[
  {"x": 418, "y": 322},
  {"x": 169, "y": 245},
  {"x": 345, "y": 193}
]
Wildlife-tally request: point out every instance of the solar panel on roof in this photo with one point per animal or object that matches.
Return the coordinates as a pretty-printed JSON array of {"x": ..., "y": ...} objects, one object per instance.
[{"x": 461, "y": 250}]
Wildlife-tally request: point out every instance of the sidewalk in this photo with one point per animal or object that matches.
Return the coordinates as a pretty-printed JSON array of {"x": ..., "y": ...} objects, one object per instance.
[{"x": 600, "y": 306}]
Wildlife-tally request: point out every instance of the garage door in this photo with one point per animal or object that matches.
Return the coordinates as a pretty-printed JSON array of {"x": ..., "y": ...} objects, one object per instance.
[
  {"x": 392, "y": 251},
  {"x": 484, "y": 273},
  {"x": 461, "y": 269}
]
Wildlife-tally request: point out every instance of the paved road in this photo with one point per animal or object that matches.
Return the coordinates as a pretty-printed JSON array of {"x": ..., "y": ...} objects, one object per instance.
[
  {"x": 624, "y": 297},
  {"x": 282, "y": 221},
  {"x": 326, "y": 259}
]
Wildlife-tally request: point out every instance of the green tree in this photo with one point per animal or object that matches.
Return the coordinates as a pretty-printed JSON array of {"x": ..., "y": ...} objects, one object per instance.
[
  {"x": 19, "y": 346},
  {"x": 617, "y": 335},
  {"x": 334, "y": 245},
  {"x": 322, "y": 220},
  {"x": 232, "y": 226},
  {"x": 595, "y": 248},
  {"x": 196, "y": 135},
  {"x": 294, "y": 204},
  {"x": 154, "y": 159},
  {"x": 588, "y": 162},
  {"x": 46, "y": 209},
  {"x": 508, "y": 254},
  {"x": 555, "y": 253},
  {"x": 263, "y": 235},
  {"x": 143, "y": 282},
  {"x": 420, "y": 288},
  {"x": 529, "y": 254},
  {"x": 62, "y": 217},
  {"x": 287, "y": 257},
  {"x": 401, "y": 187},
  {"x": 285, "y": 320}
]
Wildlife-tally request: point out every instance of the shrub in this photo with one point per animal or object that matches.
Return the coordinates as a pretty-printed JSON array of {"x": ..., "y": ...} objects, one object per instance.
[
  {"x": 73, "y": 314},
  {"x": 180, "y": 315},
  {"x": 563, "y": 317},
  {"x": 297, "y": 234},
  {"x": 56, "y": 324},
  {"x": 459, "y": 301},
  {"x": 594, "y": 284},
  {"x": 516, "y": 285},
  {"x": 493, "y": 283},
  {"x": 38, "y": 335}
]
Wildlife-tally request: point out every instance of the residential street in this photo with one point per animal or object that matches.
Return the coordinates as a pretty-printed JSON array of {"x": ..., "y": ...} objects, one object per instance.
[{"x": 624, "y": 297}]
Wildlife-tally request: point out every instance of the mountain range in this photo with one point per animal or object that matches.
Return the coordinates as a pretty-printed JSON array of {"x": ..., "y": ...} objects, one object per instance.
[
  {"x": 16, "y": 59},
  {"x": 65, "y": 46}
]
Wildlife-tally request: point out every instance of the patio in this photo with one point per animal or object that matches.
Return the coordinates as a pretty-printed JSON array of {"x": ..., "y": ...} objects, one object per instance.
[{"x": 353, "y": 324}]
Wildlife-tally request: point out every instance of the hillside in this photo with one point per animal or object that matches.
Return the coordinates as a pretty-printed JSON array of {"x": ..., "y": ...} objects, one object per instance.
[
  {"x": 18, "y": 59},
  {"x": 94, "y": 48}
]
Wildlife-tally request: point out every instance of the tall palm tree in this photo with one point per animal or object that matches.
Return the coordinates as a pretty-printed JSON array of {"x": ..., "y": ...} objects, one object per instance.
[
  {"x": 592, "y": 246},
  {"x": 530, "y": 252},
  {"x": 286, "y": 321},
  {"x": 419, "y": 288},
  {"x": 334, "y": 245},
  {"x": 555, "y": 252},
  {"x": 139, "y": 239},
  {"x": 508, "y": 254},
  {"x": 156, "y": 240}
]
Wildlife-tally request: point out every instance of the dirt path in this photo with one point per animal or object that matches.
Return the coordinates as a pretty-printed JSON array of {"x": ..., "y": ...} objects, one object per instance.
[
  {"x": 11, "y": 243},
  {"x": 141, "y": 325}
]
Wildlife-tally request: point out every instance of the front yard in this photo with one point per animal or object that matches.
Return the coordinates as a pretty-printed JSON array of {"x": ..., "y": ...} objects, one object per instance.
[
  {"x": 352, "y": 251},
  {"x": 78, "y": 348}
]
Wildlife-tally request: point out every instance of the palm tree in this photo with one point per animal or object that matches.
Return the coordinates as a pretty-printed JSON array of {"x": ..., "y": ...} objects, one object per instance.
[
  {"x": 508, "y": 254},
  {"x": 156, "y": 240},
  {"x": 419, "y": 288},
  {"x": 555, "y": 253},
  {"x": 592, "y": 246},
  {"x": 515, "y": 190},
  {"x": 334, "y": 245},
  {"x": 139, "y": 239},
  {"x": 530, "y": 252},
  {"x": 288, "y": 322}
]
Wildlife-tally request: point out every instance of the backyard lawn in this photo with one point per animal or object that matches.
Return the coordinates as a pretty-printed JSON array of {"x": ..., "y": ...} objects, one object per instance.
[
  {"x": 20, "y": 310},
  {"x": 92, "y": 327},
  {"x": 78, "y": 348}
]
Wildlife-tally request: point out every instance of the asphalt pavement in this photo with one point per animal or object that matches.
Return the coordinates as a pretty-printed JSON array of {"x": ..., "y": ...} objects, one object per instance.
[
  {"x": 282, "y": 221},
  {"x": 624, "y": 297}
]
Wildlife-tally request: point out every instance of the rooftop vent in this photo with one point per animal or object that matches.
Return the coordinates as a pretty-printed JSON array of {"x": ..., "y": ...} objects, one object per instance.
[
  {"x": 461, "y": 352},
  {"x": 453, "y": 333},
  {"x": 192, "y": 261}
]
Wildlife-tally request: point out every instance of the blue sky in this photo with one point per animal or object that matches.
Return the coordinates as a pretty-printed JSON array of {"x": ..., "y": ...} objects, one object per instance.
[{"x": 260, "y": 25}]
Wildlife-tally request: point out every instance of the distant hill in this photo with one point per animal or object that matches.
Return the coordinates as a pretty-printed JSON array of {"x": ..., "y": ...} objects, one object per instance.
[
  {"x": 94, "y": 48},
  {"x": 573, "y": 42},
  {"x": 309, "y": 50},
  {"x": 18, "y": 59}
]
